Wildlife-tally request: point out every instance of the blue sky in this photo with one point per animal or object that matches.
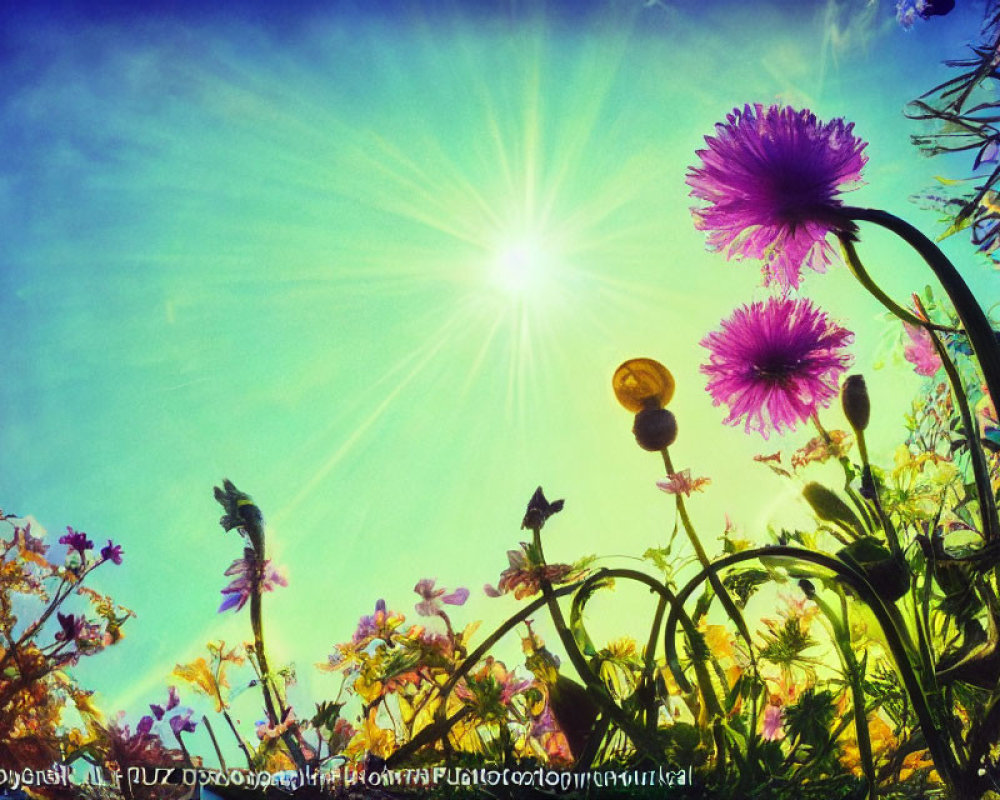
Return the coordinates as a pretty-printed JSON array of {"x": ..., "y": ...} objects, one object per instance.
[{"x": 376, "y": 263}]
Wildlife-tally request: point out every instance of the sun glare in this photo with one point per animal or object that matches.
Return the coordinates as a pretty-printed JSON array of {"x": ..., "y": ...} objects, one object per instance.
[{"x": 520, "y": 266}]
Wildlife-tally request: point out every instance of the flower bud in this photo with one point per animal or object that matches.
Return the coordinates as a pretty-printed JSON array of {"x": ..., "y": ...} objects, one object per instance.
[
  {"x": 643, "y": 383},
  {"x": 654, "y": 429},
  {"x": 854, "y": 398}
]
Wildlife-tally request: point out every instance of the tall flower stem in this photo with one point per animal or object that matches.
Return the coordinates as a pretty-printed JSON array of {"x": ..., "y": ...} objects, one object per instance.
[
  {"x": 984, "y": 486},
  {"x": 971, "y": 315},
  {"x": 727, "y": 602},
  {"x": 853, "y": 673},
  {"x": 858, "y": 270},
  {"x": 938, "y": 743},
  {"x": 595, "y": 687},
  {"x": 276, "y": 710}
]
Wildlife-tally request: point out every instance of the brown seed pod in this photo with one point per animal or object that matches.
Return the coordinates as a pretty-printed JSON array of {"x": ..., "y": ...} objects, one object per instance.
[
  {"x": 854, "y": 399},
  {"x": 654, "y": 429}
]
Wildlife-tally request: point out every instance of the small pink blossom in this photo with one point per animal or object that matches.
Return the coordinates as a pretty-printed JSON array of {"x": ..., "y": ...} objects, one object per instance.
[
  {"x": 433, "y": 598},
  {"x": 921, "y": 352},
  {"x": 772, "y": 729},
  {"x": 682, "y": 483}
]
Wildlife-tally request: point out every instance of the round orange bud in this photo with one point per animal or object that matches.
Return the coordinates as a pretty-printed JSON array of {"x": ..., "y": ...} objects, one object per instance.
[{"x": 642, "y": 383}]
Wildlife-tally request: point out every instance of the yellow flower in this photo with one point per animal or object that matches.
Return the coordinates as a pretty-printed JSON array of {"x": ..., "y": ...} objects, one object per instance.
[{"x": 371, "y": 739}]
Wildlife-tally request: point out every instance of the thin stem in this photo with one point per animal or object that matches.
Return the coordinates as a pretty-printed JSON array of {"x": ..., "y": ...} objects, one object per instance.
[
  {"x": 727, "y": 602},
  {"x": 442, "y": 723},
  {"x": 215, "y": 743},
  {"x": 984, "y": 487},
  {"x": 973, "y": 319},
  {"x": 594, "y": 686},
  {"x": 239, "y": 738},
  {"x": 858, "y": 271},
  {"x": 941, "y": 753},
  {"x": 852, "y": 671}
]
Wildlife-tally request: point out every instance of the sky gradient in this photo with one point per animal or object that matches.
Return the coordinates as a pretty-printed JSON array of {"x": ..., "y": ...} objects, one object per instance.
[{"x": 376, "y": 263}]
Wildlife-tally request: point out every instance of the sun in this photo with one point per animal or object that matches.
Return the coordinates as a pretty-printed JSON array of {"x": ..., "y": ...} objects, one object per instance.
[{"x": 521, "y": 266}]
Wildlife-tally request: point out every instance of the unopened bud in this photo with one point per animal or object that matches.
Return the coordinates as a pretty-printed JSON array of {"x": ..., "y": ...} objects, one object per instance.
[
  {"x": 654, "y": 429},
  {"x": 854, "y": 398}
]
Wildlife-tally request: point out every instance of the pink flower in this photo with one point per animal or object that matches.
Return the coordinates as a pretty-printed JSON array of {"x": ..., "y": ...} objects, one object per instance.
[
  {"x": 246, "y": 580},
  {"x": 682, "y": 483},
  {"x": 775, "y": 364},
  {"x": 771, "y": 179},
  {"x": 921, "y": 352},
  {"x": 772, "y": 729},
  {"x": 431, "y": 604}
]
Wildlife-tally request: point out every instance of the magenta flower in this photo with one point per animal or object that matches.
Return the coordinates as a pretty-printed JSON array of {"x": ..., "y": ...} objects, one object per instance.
[
  {"x": 242, "y": 587},
  {"x": 771, "y": 179},
  {"x": 112, "y": 552},
  {"x": 76, "y": 540},
  {"x": 433, "y": 598},
  {"x": 921, "y": 351},
  {"x": 775, "y": 364}
]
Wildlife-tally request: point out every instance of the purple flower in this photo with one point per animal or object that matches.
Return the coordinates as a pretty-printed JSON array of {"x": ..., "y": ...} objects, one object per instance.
[
  {"x": 76, "y": 540},
  {"x": 431, "y": 604},
  {"x": 774, "y": 365},
  {"x": 771, "y": 179},
  {"x": 112, "y": 552},
  {"x": 240, "y": 589},
  {"x": 172, "y": 702},
  {"x": 72, "y": 627},
  {"x": 379, "y": 625},
  {"x": 182, "y": 722}
]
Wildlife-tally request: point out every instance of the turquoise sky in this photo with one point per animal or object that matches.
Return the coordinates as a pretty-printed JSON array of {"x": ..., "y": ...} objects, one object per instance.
[{"x": 377, "y": 267}]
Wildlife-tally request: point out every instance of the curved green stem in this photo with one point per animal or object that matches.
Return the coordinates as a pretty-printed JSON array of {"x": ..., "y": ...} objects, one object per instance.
[
  {"x": 593, "y": 683},
  {"x": 442, "y": 724},
  {"x": 973, "y": 319},
  {"x": 941, "y": 753},
  {"x": 984, "y": 487},
  {"x": 852, "y": 671},
  {"x": 727, "y": 602},
  {"x": 858, "y": 270},
  {"x": 699, "y": 657}
]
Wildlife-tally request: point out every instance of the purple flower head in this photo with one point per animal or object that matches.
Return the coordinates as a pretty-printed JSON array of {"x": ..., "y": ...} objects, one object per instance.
[
  {"x": 379, "y": 625},
  {"x": 182, "y": 722},
  {"x": 775, "y": 364},
  {"x": 244, "y": 569},
  {"x": 172, "y": 702},
  {"x": 771, "y": 179},
  {"x": 72, "y": 627},
  {"x": 76, "y": 540},
  {"x": 112, "y": 552},
  {"x": 433, "y": 598}
]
